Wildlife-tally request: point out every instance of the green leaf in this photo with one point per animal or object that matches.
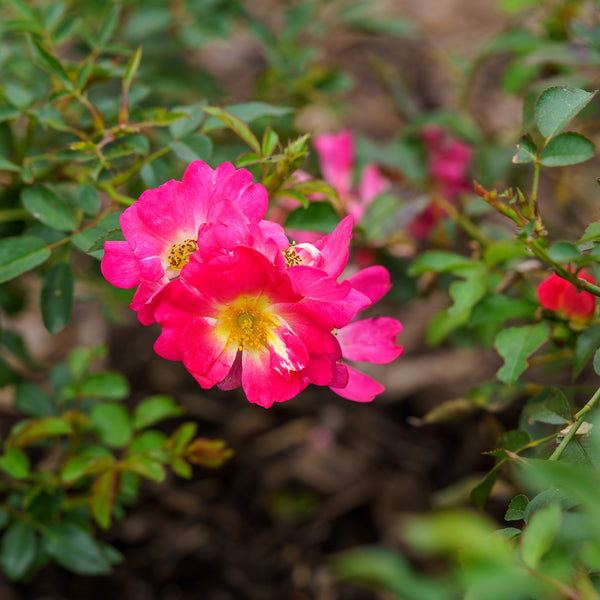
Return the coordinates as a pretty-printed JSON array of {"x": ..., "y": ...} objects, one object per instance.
[
  {"x": 438, "y": 261},
  {"x": 33, "y": 401},
  {"x": 468, "y": 292},
  {"x": 109, "y": 385},
  {"x": 131, "y": 69},
  {"x": 563, "y": 252},
  {"x": 21, "y": 254},
  {"x": 15, "y": 463},
  {"x": 195, "y": 146},
  {"x": 48, "y": 61},
  {"x": 109, "y": 25},
  {"x": 539, "y": 534},
  {"x": 18, "y": 550},
  {"x": 526, "y": 151},
  {"x": 6, "y": 165},
  {"x": 75, "y": 549},
  {"x": 92, "y": 240},
  {"x": 516, "y": 508},
  {"x": 269, "y": 141},
  {"x": 145, "y": 466},
  {"x": 596, "y": 362},
  {"x": 586, "y": 345},
  {"x": 235, "y": 124},
  {"x": 556, "y": 106},
  {"x": 112, "y": 423},
  {"x": 149, "y": 441},
  {"x": 84, "y": 464},
  {"x": 34, "y": 430},
  {"x": 49, "y": 208},
  {"x": 155, "y": 409},
  {"x": 515, "y": 344},
  {"x": 592, "y": 233},
  {"x": 248, "y": 112},
  {"x": 567, "y": 149},
  {"x": 102, "y": 497},
  {"x": 88, "y": 199},
  {"x": 57, "y": 297},
  {"x": 318, "y": 216}
]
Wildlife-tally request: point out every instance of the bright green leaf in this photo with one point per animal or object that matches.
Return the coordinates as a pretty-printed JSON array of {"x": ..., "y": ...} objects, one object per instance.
[
  {"x": 34, "y": 430},
  {"x": 468, "y": 292},
  {"x": 112, "y": 423},
  {"x": 556, "y": 106},
  {"x": 102, "y": 497},
  {"x": 563, "y": 252},
  {"x": 56, "y": 299},
  {"x": 539, "y": 534},
  {"x": 15, "y": 463},
  {"x": 438, "y": 261},
  {"x": 109, "y": 385},
  {"x": 155, "y": 409},
  {"x": 21, "y": 254},
  {"x": 18, "y": 549},
  {"x": 567, "y": 149},
  {"x": 49, "y": 208},
  {"x": 515, "y": 344},
  {"x": 145, "y": 466}
]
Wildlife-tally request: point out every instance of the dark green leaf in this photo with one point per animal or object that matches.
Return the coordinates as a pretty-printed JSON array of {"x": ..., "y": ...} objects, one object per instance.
[
  {"x": 21, "y": 254},
  {"x": 526, "y": 151},
  {"x": 88, "y": 200},
  {"x": 75, "y": 549},
  {"x": 586, "y": 345},
  {"x": 33, "y": 401},
  {"x": 515, "y": 344},
  {"x": 235, "y": 124},
  {"x": 592, "y": 232},
  {"x": 45, "y": 205},
  {"x": 112, "y": 423},
  {"x": 57, "y": 297},
  {"x": 109, "y": 24},
  {"x": 480, "y": 493},
  {"x": 318, "y": 216},
  {"x": 556, "y": 106},
  {"x": 48, "y": 61},
  {"x": 195, "y": 146},
  {"x": 567, "y": 149},
  {"x": 18, "y": 549},
  {"x": 516, "y": 508}
]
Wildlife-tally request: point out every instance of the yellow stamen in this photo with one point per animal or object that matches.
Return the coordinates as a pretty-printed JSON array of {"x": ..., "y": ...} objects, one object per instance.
[
  {"x": 179, "y": 255},
  {"x": 247, "y": 323},
  {"x": 291, "y": 256}
]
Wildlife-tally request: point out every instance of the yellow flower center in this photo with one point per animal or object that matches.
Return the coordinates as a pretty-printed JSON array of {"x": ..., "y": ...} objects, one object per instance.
[
  {"x": 247, "y": 323},
  {"x": 291, "y": 256},
  {"x": 179, "y": 255}
]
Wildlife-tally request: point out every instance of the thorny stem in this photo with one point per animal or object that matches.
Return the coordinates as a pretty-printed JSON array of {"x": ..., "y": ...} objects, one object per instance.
[{"x": 592, "y": 402}]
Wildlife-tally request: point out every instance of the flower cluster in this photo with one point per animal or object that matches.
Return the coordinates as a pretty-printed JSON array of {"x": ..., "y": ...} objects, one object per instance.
[{"x": 237, "y": 303}]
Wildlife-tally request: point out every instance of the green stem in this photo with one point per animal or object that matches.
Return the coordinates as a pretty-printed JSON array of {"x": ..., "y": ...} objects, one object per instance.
[
  {"x": 592, "y": 402},
  {"x": 462, "y": 221},
  {"x": 535, "y": 185},
  {"x": 559, "y": 269},
  {"x": 14, "y": 214}
]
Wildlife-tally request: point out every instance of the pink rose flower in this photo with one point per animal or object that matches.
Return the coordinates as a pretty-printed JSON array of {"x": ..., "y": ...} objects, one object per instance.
[
  {"x": 161, "y": 228},
  {"x": 237, "y": 320},
  {"x": 559, "y": 295}
]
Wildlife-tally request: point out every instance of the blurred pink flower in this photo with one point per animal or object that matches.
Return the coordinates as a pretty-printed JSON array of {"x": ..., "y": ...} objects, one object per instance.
[
  {"x": 336, "y": 160},
  {"x": 448, "y": 161},
  {"x": 559, "y": 295}
]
